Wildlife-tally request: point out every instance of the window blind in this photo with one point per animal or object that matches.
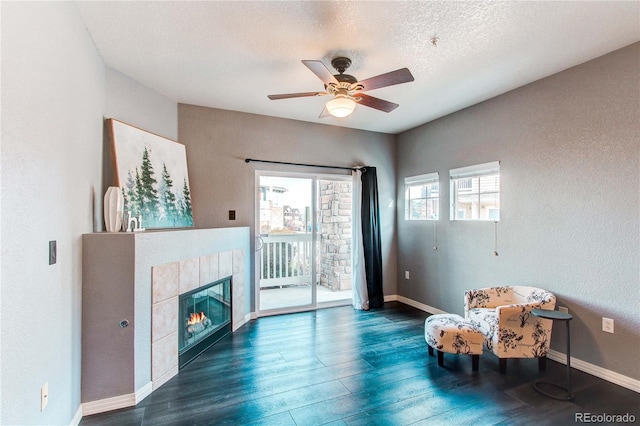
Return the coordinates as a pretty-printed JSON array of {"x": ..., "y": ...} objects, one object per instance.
[
  {"x": 475, "y": 170},
  {"x": 422, "y": 179}
]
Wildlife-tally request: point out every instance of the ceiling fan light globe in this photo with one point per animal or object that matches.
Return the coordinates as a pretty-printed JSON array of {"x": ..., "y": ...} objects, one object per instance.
[{"x": 341, "y": 106}]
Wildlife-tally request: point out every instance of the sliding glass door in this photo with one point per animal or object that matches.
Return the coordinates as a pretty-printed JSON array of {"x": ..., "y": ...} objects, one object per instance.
[{"x": 303, "y": 242}]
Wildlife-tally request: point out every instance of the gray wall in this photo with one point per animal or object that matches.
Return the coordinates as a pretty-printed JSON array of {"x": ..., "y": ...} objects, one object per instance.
[
  {"x": 132, "y": 103},
  {"x": 55, "y": 92},
  {"x": 218, "y": 141},
  {"x": 569, "y": 151},
  {"x": 52, "y": 103}
]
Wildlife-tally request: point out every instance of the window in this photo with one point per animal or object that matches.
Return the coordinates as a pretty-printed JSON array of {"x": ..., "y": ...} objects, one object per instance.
[
  {"x": 422, "y": 194},
  {"x": 475, "y": 192}
]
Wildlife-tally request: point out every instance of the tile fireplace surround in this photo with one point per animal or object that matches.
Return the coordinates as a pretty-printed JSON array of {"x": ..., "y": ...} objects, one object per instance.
[
  {"x": 137, "y": 278},
  {"x": 171, "y": 280}
]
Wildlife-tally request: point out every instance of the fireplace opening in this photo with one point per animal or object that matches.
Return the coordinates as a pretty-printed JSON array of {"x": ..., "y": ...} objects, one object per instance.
[{"x": 204, "y": 318}]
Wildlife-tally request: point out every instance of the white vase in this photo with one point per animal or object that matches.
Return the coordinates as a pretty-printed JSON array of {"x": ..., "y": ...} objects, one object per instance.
[{"x": 113, "y": 209}]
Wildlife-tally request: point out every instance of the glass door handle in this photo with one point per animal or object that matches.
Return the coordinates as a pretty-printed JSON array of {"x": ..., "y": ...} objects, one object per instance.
[{"x": 259, "y": 243}]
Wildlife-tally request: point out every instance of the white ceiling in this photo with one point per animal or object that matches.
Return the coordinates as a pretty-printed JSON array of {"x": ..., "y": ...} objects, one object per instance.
[{"x": 232, "y": 54}]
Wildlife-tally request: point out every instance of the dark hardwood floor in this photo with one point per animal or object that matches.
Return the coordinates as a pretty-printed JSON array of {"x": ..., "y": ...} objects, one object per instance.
[{"x": 339, "y": 366}]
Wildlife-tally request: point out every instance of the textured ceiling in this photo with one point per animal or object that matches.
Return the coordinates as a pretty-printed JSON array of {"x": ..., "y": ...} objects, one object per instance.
[{"x": 231, "y": 55}]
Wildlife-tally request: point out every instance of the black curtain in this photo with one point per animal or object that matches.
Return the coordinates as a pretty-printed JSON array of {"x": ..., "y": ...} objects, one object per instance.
[{"x": 371, "y": 237}]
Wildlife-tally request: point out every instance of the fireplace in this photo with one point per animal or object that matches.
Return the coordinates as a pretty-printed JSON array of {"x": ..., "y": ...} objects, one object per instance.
[{"x": 204, "y": 317}]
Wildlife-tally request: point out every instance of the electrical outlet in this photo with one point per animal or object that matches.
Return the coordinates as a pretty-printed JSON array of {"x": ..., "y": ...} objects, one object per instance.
[
  {"x": 607, "y": 325},
  {"x": 406, "y": 275},
  {"x": 563, "y": 309},
  {"x": 44, "y": 396}
]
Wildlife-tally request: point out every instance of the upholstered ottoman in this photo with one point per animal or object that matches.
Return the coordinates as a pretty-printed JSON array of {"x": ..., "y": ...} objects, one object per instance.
[{"x": 452, "y": 334}]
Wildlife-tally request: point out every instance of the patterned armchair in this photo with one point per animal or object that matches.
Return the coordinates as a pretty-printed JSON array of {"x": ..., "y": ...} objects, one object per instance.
[{"x": 503, "y": 315}]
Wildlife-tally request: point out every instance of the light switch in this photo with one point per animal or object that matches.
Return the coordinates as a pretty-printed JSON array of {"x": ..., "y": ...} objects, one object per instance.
[{"x": 53, "y": 252}]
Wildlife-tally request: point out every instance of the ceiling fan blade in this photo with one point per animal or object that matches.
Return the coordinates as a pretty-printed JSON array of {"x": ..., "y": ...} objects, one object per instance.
[
  {"x": 295, "y": 95},
  {"x": 321, "y": 71},
  {"x": 402, "y": 75},
  {"x": 376, "y": 103}
]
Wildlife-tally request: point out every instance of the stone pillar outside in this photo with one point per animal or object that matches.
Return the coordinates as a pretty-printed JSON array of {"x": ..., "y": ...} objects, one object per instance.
[{"x": 335, "y": 234}]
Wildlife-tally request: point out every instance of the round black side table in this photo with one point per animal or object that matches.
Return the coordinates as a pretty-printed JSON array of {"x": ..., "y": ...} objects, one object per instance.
[{"x": 557, "y": 316}]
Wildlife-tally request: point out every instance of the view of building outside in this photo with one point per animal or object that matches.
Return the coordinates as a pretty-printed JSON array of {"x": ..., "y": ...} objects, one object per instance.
[
  {"x": 422, "y": 201},
  {"x": 284, "y": 205},
  {"x": 477, "y": 198},
  {"x": 286, "y": 225}
]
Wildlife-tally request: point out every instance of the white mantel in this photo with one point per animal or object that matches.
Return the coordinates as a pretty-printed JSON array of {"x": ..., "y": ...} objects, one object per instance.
[{"x": 117, "y": 286}]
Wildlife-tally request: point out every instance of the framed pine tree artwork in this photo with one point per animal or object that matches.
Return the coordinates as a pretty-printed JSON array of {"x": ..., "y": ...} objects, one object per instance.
[{"x": 151, "y": 172}]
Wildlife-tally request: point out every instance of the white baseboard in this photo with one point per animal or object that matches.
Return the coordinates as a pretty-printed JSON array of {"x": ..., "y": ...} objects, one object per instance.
[
  {"x": 146, "y": 390},
  {"x": 238, "y": 324},
  {"x": 578, "y": 364},
  {"x": 108, "y": 404},
  {"x": 162, "y": 380},
  {"x": 116, "y": 402},
  {"x": 75, "y": 421},
  {"x": 417, "y": 305},
  {"x": 594, "y": 370}
]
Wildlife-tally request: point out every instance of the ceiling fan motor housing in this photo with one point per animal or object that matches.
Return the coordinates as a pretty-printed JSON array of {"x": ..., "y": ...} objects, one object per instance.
[
  {"x": 346, "y": 78},
  {"x": 341, "y": 64}
]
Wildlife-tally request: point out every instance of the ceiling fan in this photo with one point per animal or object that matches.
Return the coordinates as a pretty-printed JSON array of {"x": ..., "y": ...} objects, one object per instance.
[{"x": 347, "y": 91}]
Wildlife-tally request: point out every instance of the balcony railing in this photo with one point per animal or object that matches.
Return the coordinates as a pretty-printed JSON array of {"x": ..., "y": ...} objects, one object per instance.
[{"x": 285, "y": 260}]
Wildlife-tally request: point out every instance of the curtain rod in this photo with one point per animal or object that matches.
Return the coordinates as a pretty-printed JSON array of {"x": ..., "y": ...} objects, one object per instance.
[{"x": 249, "y": 160}]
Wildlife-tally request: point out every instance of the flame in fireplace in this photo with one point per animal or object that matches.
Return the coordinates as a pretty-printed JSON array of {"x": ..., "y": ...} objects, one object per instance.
[{"x": 196, "y": 318}]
